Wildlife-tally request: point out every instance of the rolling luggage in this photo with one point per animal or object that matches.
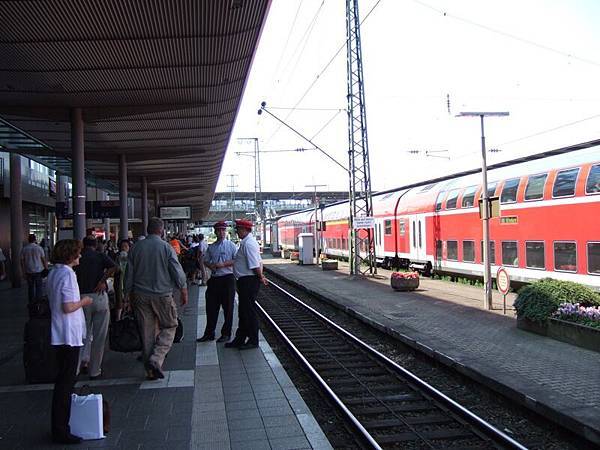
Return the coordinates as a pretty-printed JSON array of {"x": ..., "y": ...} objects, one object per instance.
[{"x": 39, "y": 357}]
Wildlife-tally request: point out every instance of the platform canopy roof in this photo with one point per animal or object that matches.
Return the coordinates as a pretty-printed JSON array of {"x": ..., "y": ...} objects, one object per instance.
[{"x": 160, "y": 81}]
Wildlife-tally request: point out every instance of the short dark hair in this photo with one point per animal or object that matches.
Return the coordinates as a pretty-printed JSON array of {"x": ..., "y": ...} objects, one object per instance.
[
  {"x": 124, "y": 241},
  {"x": 32, "y": 238},
  {"x": 89, "y": 241},
  {"x": 66, "y": 251},
  {"x": 155, "y": 226}
]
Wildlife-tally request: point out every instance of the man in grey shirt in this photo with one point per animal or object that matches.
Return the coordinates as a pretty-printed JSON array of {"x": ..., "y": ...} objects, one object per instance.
[
  {"x": 153, "y": 273},
  {"x": 33, "y": 263}
]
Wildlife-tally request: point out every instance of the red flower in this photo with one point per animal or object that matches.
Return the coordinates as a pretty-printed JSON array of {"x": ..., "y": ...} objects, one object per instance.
[{"x": 406, "y": 275}]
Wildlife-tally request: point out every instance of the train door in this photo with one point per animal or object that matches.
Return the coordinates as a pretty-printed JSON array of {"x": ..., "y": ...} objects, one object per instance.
[
  {"x": 378, "y": 232},
  {"x": 417, "y": 238}
]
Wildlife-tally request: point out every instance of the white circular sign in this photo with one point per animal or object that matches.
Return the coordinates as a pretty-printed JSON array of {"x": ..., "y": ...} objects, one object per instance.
[{"x": 503, "y": 280}]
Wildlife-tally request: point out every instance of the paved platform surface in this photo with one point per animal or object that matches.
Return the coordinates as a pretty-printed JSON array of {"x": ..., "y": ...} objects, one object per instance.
[
  {"x": 553, "y": 378},
  {"x": 211, "y": 397}
]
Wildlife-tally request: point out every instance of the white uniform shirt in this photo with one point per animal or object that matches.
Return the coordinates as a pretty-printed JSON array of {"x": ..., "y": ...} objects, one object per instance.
[
  {"x": 67, "y": 328},
  {"x": 32, "y": 256},
  {"x": 247, "y": 257}
]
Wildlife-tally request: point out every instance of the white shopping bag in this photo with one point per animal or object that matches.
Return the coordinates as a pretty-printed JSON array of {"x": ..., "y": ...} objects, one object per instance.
[{"x": 86, "y": 416}]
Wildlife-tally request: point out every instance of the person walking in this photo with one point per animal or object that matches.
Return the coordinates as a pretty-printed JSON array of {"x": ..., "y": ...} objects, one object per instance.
[
  {"x": 247, "y": 268},
  {"x": 34, "y": 264},
  {"x": 202, "y": 249},
  {"x": 92, "y": 272},
  {"x": 119, "y": 280},
  {"x": 67, "y": 333},
  {"x": 220, "y": 291},
  {"x": 152, "y": 273}
]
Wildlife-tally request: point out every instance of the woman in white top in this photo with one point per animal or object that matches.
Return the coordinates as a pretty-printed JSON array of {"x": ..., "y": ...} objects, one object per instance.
[{"x": 67, "y": 333}]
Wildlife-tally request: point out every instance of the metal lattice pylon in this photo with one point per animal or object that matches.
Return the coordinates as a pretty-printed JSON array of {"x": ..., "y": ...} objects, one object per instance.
[{"x": 362, "y": 247}]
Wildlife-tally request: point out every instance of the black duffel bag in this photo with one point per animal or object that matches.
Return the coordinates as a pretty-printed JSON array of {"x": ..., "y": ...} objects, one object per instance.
[{"x": 124, "y": 335}]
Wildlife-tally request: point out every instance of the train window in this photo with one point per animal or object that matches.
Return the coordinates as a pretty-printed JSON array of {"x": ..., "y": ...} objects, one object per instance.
[
  {"x": 492, "y": 189},
  {"x": 509, "y": 191},
  {"x": 439, "y": 201},
  {"x": 427, "y": 187},
  {"x": 492, "y": 252},
  {"x": 414, "y": 233},
  {"x": 593, "y": 257},
  {"x": 510, "y": 254},
  {"x": 593, "y": 182},
  {"x": 452, "y": 198},
  {"x": 564, "y": 185},
  {"x": 452, "y": 249},
  {"x": 388, "y": 227},
  {"x": 534, "y": 255},
  {"x": 402, "y": 228},
  {"x": 420, "y": 235},
  {"x": 468, "y": 198},
  {"x": 535, "y": 187},
  {"x": 469, "y": 251},
  {"x": 565, "y": 256},
  {"x": 438, "y": 249},
  {"x": 339, "y": 243}
]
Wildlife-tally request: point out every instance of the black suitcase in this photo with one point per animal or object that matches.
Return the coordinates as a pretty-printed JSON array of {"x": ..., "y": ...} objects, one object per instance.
[
  {"x": 39, "y": 357},
  {"x": 124, "y": 335}
]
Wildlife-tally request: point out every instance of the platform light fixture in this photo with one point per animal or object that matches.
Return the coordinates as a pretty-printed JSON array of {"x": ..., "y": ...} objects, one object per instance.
[{"x": 487, "y": 271}]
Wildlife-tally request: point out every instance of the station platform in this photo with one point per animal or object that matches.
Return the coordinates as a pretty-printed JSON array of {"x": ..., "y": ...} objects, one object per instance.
[
  {"x": 211, "y": 397},
  {"x": 443, "y": 320}
]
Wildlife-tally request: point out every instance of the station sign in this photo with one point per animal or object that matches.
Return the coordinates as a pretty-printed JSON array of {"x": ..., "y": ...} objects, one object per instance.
[
  {"x": 96, "y": 209},
  {"x": 175, "y": 212},
  {"x": 503, "y": 280},
  {"x": 363, "y": 222},
  {"x": 493, "y": 207}
]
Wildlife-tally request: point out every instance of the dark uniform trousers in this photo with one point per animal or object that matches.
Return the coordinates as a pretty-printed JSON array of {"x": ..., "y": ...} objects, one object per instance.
[
  {"x": 220, "y": 292},
  {"x": 68, "y": 358},
  {"x": 247, "y": 288}
]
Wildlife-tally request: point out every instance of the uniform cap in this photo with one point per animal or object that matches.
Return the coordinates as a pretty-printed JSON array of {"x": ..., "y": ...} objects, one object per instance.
[
  {"x": 220, "y": 224},
  {"x": 243, "y": 224}
]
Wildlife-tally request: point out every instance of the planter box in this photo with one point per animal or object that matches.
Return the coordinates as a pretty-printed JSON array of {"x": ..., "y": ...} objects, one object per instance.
[
  {"x": 575, "y": 334},
  {"x": 404, "y": 284},
  {"x": 329, "y": 264},
  {"x": 531, "y": 326},
  {"x": 294, "y": 256}
]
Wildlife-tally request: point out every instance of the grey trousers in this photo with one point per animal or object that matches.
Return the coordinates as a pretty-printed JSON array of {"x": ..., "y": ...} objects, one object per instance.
[
  {"x": 152, "y": 310},
  {"x": 97, "y": 316}
]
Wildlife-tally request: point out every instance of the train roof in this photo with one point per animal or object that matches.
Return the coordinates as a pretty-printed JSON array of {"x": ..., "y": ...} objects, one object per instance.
[{"x": 573, "y": 155}]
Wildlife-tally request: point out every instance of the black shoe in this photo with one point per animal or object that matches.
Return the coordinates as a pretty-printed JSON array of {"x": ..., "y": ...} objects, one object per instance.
[
  {"x": 234, "y": 344},
  {"x": 153, "y": 372},
  {"x": 205, "y": 338},
  {"x": 248, "y": 346},
  {"x": 69, "y": 439},
  {"x": 223, "y": 338}
]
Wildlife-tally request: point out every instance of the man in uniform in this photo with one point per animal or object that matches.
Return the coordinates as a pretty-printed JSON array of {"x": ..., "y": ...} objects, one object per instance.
[
  {"x": 220, "y": 291},
  {"x": 247, "y": 268}
]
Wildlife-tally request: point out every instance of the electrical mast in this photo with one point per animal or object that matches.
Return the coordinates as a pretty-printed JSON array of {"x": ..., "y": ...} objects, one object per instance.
[{"x": 362, "y": 246}]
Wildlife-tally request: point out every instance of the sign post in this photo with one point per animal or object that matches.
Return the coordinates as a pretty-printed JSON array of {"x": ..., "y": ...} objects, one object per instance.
[{"x": 503, "y": 283}]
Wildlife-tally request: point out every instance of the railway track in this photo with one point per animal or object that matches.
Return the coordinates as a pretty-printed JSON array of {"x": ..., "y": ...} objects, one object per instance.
[{"x": 387, "y": 406}]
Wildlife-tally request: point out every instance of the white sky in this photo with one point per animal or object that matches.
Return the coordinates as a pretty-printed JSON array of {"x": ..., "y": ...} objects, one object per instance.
[{"x": 537, "y": 59}]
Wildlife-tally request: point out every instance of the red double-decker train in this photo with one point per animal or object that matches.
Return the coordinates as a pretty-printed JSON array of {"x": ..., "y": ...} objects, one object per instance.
[{"x": 549, "y": 225}]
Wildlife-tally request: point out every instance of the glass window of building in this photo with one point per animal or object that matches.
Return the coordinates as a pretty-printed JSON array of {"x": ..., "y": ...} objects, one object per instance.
[
  {"x": 565, "y": 256},
  {"x": 535, "y": 187},
  {"x": 564, "y": 185},
  {"x": 509, "y": 191},
  {"x": 469, "y": 251},
  {"x": 592, "y": 186},
  {"x": 452, "y": 249},
  {"x": 534, "y": 255},
  {"x": 510, "y": 254}
]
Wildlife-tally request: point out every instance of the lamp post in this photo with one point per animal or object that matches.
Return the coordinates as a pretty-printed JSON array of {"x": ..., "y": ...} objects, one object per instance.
[
  {"x": 317, "y": 240},
  {"x": 487, "y": 272}
]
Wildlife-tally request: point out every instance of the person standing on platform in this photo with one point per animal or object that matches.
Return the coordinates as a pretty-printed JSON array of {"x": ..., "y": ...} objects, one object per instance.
[
  {"x": 202, "y": 249},
  {"x": 92, "y": 272},
  {"x": 247, "y": 268},
  {"x": 34, "y": 264},
  {"x": 220, "y": 291},
  {"x": 67, "y": 333},
  {"x": 152, "y": 273}
]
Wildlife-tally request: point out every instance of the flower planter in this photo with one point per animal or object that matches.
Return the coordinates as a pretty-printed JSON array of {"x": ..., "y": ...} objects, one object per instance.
[
  {"x": 404, "y": 284},
  {"x": 294, "y": 256},
  {"x": 329, "y": 264},
  {"x": 531, "y": 326},
  {"x": 575, "y": 334}
]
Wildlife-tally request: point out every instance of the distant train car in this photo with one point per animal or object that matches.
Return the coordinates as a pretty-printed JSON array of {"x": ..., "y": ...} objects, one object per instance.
[{"x": 549, "y": 224}]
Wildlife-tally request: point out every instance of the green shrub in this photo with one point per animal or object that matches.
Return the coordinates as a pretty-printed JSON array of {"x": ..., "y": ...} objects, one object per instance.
[{"x": 539, "y": 300}]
